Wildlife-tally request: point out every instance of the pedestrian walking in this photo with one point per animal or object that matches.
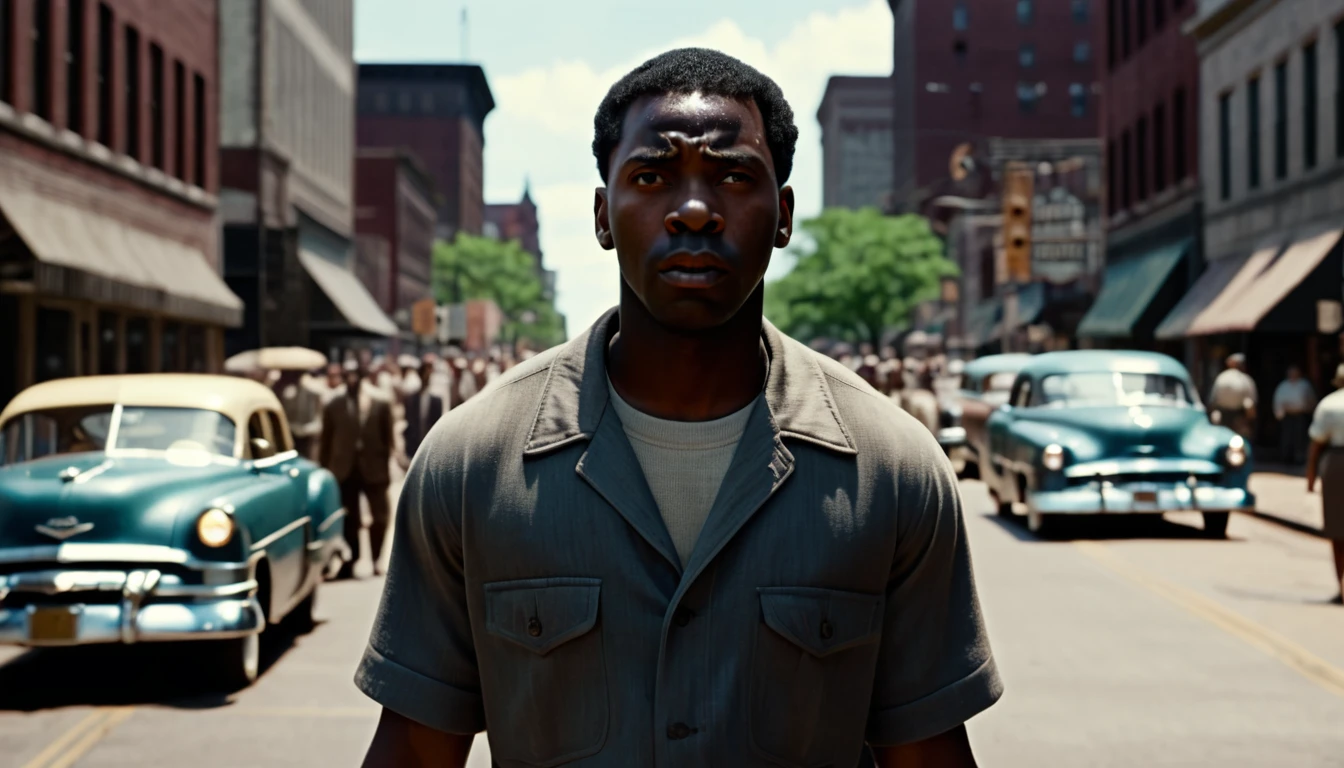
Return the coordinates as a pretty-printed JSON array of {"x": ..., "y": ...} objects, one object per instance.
[
  {"x": 1234, "y": 398},
  {"x": 423, "y": 410},
  {"x": 303, "y": 410},
  {"x": 1326, "y": 461},
  {"x": 1294, "y": 401},
  {"x": 357, "y": 444},
  {"x": 682, "y": 538},
  {"x": 921, "y": 401}
]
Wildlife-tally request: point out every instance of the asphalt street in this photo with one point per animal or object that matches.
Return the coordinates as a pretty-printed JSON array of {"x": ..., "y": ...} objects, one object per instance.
[{"x": 1130, "y": 643}]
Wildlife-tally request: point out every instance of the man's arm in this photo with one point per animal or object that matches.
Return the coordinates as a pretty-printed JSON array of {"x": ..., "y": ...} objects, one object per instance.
[
  {"x": 1313, "y": 459},
  {"x": 324, "y": 442},
  {"x": 946, "y": 750},
  {"x": 401, "y": 742}
]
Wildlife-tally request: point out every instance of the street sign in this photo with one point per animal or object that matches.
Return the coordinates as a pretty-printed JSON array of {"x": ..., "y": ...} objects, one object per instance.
[{"x": 424, "y": 319}]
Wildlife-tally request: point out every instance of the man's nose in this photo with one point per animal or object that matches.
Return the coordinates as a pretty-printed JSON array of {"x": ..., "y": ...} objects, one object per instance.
[{"x": 694, "y": 215}]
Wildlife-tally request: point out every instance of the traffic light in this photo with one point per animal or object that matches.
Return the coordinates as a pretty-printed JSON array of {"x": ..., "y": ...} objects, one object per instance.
[{"x": 1018, "y": 188}]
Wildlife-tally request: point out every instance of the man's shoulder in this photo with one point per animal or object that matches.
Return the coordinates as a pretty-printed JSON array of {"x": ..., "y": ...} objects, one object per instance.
[{"x": 504, "y": 409}]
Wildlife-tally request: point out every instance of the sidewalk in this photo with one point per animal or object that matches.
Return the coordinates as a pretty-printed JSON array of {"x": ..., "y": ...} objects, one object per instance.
[{"x": 1284, "y": 496}]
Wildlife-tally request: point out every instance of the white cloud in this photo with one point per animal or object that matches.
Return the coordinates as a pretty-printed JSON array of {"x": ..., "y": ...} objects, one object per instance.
[{"x": 542, "y": 127}]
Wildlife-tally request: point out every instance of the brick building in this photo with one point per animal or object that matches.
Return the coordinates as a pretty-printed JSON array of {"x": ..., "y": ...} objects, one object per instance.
[
  {"x": 394, "y": 225},
  {"x": 968, "y": 70},
  {"x": 518, "y": 221},
  {"x": 437, "y": 111},
  {"x": 1150, "y": 116},
  {"x": 287, "y": 144},
  {"x": 856, "y": 142},
  {"x": 109, "y": 257}
]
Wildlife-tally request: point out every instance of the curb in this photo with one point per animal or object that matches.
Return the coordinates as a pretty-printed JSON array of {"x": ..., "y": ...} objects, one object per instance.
[{"x": 1270, "y": 517}]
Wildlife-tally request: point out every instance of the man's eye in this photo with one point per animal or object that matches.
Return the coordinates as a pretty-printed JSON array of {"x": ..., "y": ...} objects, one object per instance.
[
  {"x": 647, "y": 178},
  {"x": 736, "y": 177}
]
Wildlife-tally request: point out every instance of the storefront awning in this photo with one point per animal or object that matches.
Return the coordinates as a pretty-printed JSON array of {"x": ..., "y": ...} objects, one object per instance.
[
  {"x": 86, "y": 255},
  {"x": 1271, "y": 285},
  {"x": 1217, "y": 280},
  {"x": 348, "y": 295},
  {"x": 1128, "y": 289}
]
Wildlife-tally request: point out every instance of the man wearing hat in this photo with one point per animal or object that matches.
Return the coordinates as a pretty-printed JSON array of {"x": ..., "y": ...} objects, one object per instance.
[
  {"x": 1327, "y": 456},
  {"x": 356, "y": 447},
  {"x": 1234, "y": 397}
]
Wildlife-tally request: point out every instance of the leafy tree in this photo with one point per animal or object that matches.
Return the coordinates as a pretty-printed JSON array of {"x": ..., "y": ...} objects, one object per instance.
[
  {"x": 862, "y": 275},
  {"x": 472, "y": 267}
]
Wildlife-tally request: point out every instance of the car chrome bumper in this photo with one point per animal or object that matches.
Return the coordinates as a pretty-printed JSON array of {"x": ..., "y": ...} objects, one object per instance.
[
  {"x": 1104, "y": 498},
  {"x": 144, "y": 607}
]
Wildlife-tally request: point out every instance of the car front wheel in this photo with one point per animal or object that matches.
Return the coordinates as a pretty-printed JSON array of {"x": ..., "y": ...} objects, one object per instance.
[
  {"x": 1215, "y": 524},
  {"x": 232, "y": 665},
  {"x": 1040, "y": 524}
]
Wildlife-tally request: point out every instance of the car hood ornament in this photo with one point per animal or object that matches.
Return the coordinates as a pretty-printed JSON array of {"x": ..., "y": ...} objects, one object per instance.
[{"x": 62, "y": 528}]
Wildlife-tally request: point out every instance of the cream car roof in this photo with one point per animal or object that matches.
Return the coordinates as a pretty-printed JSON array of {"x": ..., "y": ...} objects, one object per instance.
[{"x": 234, "y": 397}]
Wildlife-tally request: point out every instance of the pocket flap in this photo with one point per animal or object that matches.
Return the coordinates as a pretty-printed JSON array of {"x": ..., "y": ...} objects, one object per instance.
[
  {"x": 540, "y": 614},
  {"x": 822, "y": 621}
]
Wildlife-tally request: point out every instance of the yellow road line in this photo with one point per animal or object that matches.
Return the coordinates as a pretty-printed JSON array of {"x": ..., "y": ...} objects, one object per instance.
[
  {"x": 1269, "y": 642},
  {"x": 59, "y": 745},
  {"x": 77, "y": 750}
]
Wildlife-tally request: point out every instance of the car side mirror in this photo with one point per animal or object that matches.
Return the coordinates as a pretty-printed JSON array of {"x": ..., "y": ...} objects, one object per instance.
[{"x": 261, "y": 448}]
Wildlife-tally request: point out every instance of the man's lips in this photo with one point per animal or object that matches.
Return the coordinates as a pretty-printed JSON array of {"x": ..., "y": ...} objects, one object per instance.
[{"x": 693, "y": 270}]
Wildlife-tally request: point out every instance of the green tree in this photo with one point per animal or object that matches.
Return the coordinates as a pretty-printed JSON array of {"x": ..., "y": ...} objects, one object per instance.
[
  {"x": 472, "y": 267},
  {"x": 862, "y": 275}
]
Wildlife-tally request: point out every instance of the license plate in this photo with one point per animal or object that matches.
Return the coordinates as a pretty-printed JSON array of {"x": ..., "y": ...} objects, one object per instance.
[
  {"x": 57, "y": 623},
  {"x": 1145, "y": 497}
]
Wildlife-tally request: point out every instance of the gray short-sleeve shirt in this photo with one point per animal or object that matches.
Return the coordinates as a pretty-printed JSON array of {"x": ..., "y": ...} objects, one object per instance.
[{"x": 535, "y": 593}]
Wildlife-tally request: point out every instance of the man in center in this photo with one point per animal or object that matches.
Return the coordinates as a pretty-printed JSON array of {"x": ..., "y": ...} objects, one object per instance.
[{"x": 682, "y": 538}]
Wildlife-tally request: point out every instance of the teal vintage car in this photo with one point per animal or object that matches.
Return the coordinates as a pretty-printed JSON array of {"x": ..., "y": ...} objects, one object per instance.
[
  {"x": 1092, "y": 432},
  {"x": 151, "y": 508}
]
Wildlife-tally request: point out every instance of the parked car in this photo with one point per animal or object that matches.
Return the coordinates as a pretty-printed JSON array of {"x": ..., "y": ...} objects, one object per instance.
[
  {"x": 153, "y": 508},
  {"x": 1089, "y": 432},
  {"x": 983, "y": 387}
]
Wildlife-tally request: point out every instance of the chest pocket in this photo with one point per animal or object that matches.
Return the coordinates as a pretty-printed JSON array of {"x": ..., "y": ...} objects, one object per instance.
[
  {"x": 545, "y": 684},
  {"x": 812, "y": 674}
]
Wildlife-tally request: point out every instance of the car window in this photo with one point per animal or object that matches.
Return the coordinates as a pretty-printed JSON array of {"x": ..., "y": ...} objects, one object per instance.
[
  {"x": 257, "y": 429},
  {"x": 1003, "y": 380},
  {"x": 1115, "y": 388},
  {"x": 279, "y": 435},
  {"x": 1023, "y": 398},
  {"x": 81, "y": 429}
]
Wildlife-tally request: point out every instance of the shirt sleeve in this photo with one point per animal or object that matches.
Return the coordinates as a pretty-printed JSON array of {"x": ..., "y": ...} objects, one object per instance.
[
  {"x": 935, "y": 670},
  {"x": 421, "y": 660},
  {"x": 1320, "y": 428}
]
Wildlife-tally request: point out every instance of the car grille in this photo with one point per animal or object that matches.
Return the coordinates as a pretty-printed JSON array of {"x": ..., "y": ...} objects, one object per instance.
[{"x": 1157, "y": 478}]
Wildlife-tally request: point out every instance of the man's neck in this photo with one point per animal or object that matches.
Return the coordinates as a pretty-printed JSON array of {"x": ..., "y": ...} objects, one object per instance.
[{"x": 687, "y": 377}]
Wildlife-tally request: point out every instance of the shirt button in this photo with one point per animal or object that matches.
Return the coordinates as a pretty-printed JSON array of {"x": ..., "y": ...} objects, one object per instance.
[
  {"x": 826, "y": 630},
  {"x": 677, "y": 731},
  {"x": 682, "y": 616},
  {"x": 534, "y": 627}
]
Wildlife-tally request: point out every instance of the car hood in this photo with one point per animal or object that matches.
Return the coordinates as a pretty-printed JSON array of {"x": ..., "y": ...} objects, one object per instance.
[
  {"x": 1097, "y": 432},
  {"x": 106, "y": 499}
]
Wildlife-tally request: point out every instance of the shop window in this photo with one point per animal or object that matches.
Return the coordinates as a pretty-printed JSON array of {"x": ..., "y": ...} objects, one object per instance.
[
  {"x": 196, "y": 360},
  {"x": 55, "y": 344},
  {"x": 41, "y": 51},
  {"x": 138, "y": 351},
  {"x": 74, "y": 65},
  {"x": 132, "y": 91},
  {"x": 109, "y": 342},
  {"x": 170, "y": 348},
  {"x": 105, "y": 90},
  {"x": 179, "y": 121},
  {"x": 156, "y": 105}
]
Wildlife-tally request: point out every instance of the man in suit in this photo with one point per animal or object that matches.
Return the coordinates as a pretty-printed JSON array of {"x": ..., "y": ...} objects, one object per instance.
[
  {"x": 422, "y": 409},
  {"x": 357, "y": 446}
]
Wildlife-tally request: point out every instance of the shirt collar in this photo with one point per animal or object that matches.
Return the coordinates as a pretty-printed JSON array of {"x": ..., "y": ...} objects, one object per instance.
[{"x": 575, "y": 394}]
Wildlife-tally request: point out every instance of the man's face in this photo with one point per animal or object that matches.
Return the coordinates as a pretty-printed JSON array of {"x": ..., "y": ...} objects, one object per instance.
[
  {"x": 352, "y": 378},
  {"x": 1294, "y": 374},
  {"x": 692, "y": 207}
]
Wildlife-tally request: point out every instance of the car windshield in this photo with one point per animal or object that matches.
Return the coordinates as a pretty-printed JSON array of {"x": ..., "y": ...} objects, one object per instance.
[
  {"x": 81, "y": 429},
  {"x": 1115, "y": 388},
  {"x": 1001, "y": 381}
]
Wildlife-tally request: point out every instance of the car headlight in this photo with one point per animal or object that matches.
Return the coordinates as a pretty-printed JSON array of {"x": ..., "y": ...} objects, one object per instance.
[
  {"x": 215, "y": 528},
  {"x": 1053, "y": 457},
  {"x": 1236, "y": 451}
]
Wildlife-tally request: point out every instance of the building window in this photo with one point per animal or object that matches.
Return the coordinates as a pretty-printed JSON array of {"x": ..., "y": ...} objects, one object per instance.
[
  {"x": 55, "y": 341},
  {"x": 1080, "y": 11},
  {"x": 1082, "y": 51},
  {"x": 1025, "y": 12},
  {"x": 1112, "y": 28},
  {"x": 1026, "y": 98},
  {"x": 1309, "y": 78},
  {"x": 1140, "y": 23},
  {"x": 961, "y": 17},
  {"x": 427, "y": 103},
  {"x": 1125, "y": 39},
  {"x": 198, "y": 128},
  {"x": 156, "y": 105},
  {"x": 959, "y": 52},
  {"x": 380, "y": 102},
  {"x": 179, "y": 120},
  {"x": 109, "y": 342},
  {"x": 1026, "y": 55},
  {"x": 1179, "y": 143},
  {"x": 41, "y": 42},
  {"x": 137, "y": 345},
  {"x": 1126, "y": 170},
  {"x": 1339, "y": 89},
  {"x": 1159, "y": 13},
  {"x": 1253, "y": 133},
  {"x": 132, "y": 91},
  {"x": 1159, "y": 148},
  {"x": 404, "y": 101},
  {"x": 104, "y": 75},
  {"x": 6, "y": 47},
  {"x": 1112, "y": 178},
  {"x": 1281, "y": 120},
  {"x": 1225, "y": 146},
  {"x": 1141, "y": 159},
  {"x": 1078, "y": 100},
  {"x": 170, "y": 347},
  {"x": 74, "y": 65}
]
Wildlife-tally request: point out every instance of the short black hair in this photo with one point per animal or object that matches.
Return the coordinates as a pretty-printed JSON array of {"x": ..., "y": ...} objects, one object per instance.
[{"x": 691, "y": 70}]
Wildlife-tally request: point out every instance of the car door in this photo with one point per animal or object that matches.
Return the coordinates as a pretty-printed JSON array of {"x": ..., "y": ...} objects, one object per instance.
[{"x": 288, "y": 552}]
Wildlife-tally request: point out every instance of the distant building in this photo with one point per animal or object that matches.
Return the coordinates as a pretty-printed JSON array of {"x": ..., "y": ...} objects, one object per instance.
[
  {"x": 518, "y": 221},
  {"x": 287, "y": 144},
  {"x": 109, "y": 256},
  {"x": 856, "y": 142},
  {"x": 968, "y": 70},
  {"x": 394, "y": 224},
  {"x": 437, "y": 111}
]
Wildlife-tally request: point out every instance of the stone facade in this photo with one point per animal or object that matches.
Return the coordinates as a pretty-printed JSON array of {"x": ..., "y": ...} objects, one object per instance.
[{"x": 856, "y": 142}]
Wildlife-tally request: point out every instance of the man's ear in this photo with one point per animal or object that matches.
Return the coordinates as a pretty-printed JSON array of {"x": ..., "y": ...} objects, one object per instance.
[
  {"x": 785, "y": 231},
  {"x": 601, "y": 221}
]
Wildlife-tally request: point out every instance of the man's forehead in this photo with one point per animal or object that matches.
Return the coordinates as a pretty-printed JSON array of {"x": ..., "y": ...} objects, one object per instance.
[{"x": 693, "y": 115}]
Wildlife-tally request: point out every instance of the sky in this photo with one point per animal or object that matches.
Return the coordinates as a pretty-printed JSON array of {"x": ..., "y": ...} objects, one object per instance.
[{"x": 549, "y": 64}]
